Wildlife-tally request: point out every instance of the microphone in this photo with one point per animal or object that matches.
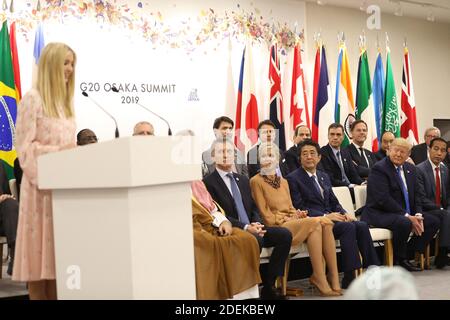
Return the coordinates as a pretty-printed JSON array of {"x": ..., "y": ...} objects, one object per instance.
[
  {"x": 84, "y": 93},
  {"x": 114, "y": 89}
]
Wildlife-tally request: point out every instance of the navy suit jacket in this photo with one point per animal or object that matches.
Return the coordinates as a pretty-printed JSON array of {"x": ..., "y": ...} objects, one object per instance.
[
  {"x": 220, "y": 193},
  {"x": 419, "y": 153},
  {"x": 306, "y": 197},
  {"x": 380, "y": 154},
  {"x": 291, "y": 162},
  {"x": 384, "y": 191},
  {"x": 330, "y": 166},
  {"x": 361, "y": 167},
  {"x": 427, "y": 184}
]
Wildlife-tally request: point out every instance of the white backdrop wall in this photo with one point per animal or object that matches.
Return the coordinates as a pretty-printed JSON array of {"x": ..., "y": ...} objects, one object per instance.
[
  {"x": 428, "y": 43},
  {"x": 113, "y": 55}
]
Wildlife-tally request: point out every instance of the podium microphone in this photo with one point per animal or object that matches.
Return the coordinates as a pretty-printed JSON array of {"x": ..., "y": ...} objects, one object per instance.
[
  {"x": 114, "y": 89},
  {"x": 84, "y": 93}
]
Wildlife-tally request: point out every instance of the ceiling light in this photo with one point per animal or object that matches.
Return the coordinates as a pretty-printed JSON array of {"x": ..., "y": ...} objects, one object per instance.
[{"x": 321, "y": 2}]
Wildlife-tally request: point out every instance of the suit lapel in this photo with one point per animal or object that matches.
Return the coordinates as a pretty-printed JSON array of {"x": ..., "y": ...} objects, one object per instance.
[
  {"x": 430, "y": 176},
  {"x": 223, "y": 186},
  {"x": 309, "y": 184},
  {"x": 410, "y": 185},
  {"x": 331, "y": 155}
]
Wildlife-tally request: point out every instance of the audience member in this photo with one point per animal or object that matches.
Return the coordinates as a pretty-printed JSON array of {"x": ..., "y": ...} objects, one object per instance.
[
  {"x": 291, "y": 160},
  {"x": 386, "y": 140},
  {"x": 393, "y": 202},
  {"x": 266, "y": 133},
  {"x": 143, "y": 128},
  {"x": 383, "y": 283},
  {"x": 272, "y": 197},
  {"x": 223, "y": 128},
  {"x": 419, "y": 153},
  {"x": 311, "y": 190},
  {"x": 86, "y": 136},
  {"x": 362, "y": 158},
  {"x": 226, "y": 258},
  {"x": 9, "y": 214},
  {"x": 434, "y": 182},
  {"x": 232, "y": 192}
]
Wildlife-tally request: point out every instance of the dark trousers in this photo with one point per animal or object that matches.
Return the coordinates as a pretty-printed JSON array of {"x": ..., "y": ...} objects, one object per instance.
[
  {"x": 9, "y": 215},
  {"x": 355, "y": 238},
  {"x": 401, "y": 227},
  {"x": 444, "y": 230},
  {"x": 431, "y": 225},
  {"x": 280, "y": 239}
]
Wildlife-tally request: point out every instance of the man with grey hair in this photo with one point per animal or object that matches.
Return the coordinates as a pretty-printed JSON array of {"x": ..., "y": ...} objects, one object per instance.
[
  {"x": 420, "y": 152},
  {"x": 394, "y": 202},
  {"x": 143, "y": 128}
]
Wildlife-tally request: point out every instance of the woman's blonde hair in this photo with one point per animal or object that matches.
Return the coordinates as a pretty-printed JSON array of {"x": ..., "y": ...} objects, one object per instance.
[
  {"x": 55, "y": 93},
  {"x": 264, "y": 148}
]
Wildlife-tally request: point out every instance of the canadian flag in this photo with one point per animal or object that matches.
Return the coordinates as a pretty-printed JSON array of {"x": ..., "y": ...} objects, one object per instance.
[
  {"x": 247, "y": 120},
  {"x": 299, "y": 114},
  {"x": 408, "y": 129}
]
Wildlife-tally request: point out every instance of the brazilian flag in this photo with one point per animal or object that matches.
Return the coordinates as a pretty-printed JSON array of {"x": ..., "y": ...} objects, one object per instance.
[{"x": 8, "y": 103}]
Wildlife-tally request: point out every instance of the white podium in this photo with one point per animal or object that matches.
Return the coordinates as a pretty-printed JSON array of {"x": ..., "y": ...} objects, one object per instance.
[{"x": 122, "y": 218}]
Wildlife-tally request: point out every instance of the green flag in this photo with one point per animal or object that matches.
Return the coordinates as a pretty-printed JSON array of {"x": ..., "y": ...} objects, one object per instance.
[
  {"x": 390, "y": 118},
  {"x": 364, "y": 106},
  {"x": 8, "y": 103}
]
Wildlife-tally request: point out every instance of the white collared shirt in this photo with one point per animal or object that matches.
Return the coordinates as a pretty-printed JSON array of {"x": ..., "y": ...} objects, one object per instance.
[
  {"x": 317, "y": 180},
  {"x": 364, "y": 154},
  {"x": 225, "y": 178},
  {"x": 433, "y": 166}
]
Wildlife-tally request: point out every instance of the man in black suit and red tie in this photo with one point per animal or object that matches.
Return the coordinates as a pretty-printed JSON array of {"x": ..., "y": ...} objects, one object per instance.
[
  {"x": 434, "y": 184},
  {"x": 394, "y": 202},
  {"x": 232, "y": 192},
  {"x": 419, "y": 153},
  {"x": 362, "y": 158}
]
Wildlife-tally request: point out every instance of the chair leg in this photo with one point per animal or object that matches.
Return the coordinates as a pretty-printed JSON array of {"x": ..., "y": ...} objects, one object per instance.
[
  {"x": 388, "y": 253},
  {"x": 1, "y": 259},
  {"x": 285, "y": 277},
  {"x": 427, "y": 257},
  {"x": 420, "y": 258},
  {"x": 436, "y": 245}
]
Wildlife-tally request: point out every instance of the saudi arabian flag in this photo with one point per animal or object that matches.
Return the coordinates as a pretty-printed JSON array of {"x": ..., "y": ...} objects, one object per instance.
[
  {"x": 364, "y": 106},
  {"x": 344, "y": 109},
  {"x": 8, "y": 103},
  {"x": 390, "y": 120}
]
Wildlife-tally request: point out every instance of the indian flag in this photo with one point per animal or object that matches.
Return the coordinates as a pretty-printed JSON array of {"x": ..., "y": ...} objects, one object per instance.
[{"x": 344, "y": 111}]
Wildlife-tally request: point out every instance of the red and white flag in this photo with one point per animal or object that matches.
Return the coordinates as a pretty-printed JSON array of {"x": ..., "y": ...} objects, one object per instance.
[
  {"x": 247, "y": 119},
  {"x": 408, "y": 129},
  {"x": 299, "y": 114}
]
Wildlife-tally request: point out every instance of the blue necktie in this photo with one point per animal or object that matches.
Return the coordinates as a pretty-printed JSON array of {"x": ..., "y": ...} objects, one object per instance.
[
  {"x": 316, "y": 184},
  {"x": 243, "y": 217},
  {"x": 341, "y": 166},
  {"x": 404, "y": 190}
]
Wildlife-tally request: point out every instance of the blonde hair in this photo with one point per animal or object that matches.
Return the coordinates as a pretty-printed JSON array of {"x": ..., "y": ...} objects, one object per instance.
[
  {"x": 51, "y": 85},
  {"x": 401, "y": 142},
  {"x": 264, "y": 147}
]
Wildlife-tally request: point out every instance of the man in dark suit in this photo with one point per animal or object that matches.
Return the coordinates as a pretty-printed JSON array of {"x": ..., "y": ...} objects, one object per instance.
[
  {"x": 311, "y": 190},
  {"x": 419, "y": 153},
  {"x": 363, "y": 158},
  {"x": 232, "y": 192},
  {"x": 9, "y": 215},
  {"x": 434, "y": 183},
  {"x": 223, "y": 128},
  {"x": 386, "y": 139},
  {"x": 393, "y": 202},
  {"x": 447, "y": 157},
  {"x": 291, "y": 160},
  {"x": 266, "y": 133}
]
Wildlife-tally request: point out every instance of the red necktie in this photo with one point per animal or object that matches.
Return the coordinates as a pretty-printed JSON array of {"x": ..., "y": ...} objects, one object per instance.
[{"x": 438, "y": 188}]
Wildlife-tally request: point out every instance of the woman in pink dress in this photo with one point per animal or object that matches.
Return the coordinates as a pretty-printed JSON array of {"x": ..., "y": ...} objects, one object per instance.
[{"x": 45, "y": 123}]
